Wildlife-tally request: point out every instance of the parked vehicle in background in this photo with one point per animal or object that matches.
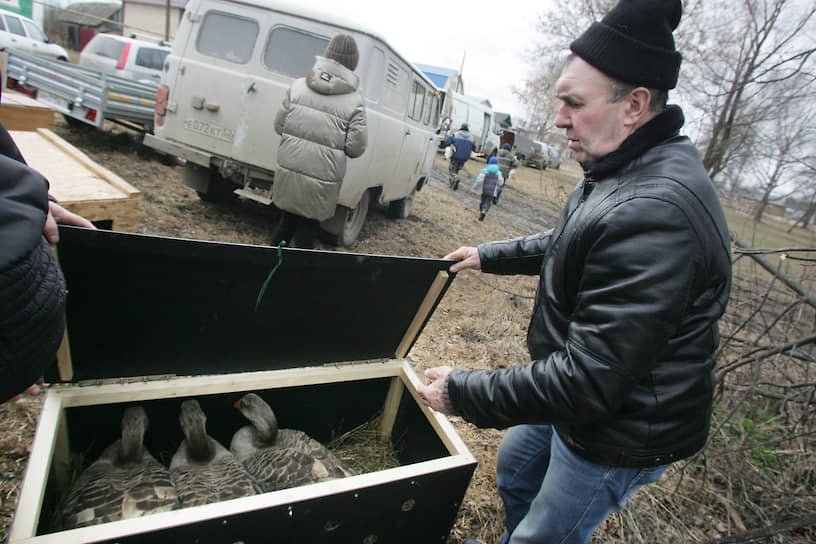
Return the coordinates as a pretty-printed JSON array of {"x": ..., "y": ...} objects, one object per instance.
[
  {"x": 230, "y": 68},
  {"x": 457, "y": 109},
  {"x": 520, "y": 145},
  {"x": 129, "y": 58},
  {"x": 555, "y": 157},
  {"x": 81, "y": 95},
  {"x": 23, "y": 34},
  {"x": 539, "y": 157}
]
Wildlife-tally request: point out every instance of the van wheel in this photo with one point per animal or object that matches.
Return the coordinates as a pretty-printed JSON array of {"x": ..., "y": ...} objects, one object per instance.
[
  {"x": 345, "y": 226},
  {"x": 400, "y": 209}
]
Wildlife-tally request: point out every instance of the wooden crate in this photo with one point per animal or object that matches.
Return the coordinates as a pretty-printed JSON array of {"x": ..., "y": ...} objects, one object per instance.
[
  {"x": 80, "y": 184},
  {"x": 21, "y": 112},
  {"x": 336, "y": 329}
]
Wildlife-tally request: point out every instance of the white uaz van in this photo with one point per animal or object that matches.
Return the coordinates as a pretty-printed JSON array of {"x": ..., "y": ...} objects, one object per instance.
[{"x": 227, "y": 76}]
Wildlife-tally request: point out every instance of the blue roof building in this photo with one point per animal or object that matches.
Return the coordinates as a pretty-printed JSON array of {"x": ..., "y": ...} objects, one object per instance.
[{"x": 437, "y": 74}]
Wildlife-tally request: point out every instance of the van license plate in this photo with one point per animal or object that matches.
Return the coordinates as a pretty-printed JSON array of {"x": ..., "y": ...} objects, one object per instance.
[{"x": 208, "y": 129}]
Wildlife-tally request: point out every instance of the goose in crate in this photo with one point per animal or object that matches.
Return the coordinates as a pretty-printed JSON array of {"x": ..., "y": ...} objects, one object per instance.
[
  {"x": 280, "y": 458},
  {"x": 203, "y": 470},
  {"x": 126, "y": 481}
]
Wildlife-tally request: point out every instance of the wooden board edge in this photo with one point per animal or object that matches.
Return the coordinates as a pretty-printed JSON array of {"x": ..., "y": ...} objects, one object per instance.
[
  {"x": 441, "y": 424},
  {"x": 391, "y": 407},
  {"x": 422, "y": 314},
  {"x": 88, "y": 163},
  {"x": 136, "y": 390},
  {"x": 30, "y": 500},
  {"x": 26, "y": 118}
]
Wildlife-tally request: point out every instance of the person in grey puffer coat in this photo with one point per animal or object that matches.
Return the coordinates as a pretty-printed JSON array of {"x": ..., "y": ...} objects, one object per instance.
[
  {"x": 321, "y": 122},
  {"x": 32, "y": 289}
]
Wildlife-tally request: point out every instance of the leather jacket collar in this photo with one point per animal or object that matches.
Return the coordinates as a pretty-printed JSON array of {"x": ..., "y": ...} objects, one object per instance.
[{"x": 661, "y": 128}]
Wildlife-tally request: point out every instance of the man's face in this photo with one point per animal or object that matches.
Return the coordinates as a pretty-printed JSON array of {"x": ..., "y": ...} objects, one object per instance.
[{"x": 594, "y": 126}]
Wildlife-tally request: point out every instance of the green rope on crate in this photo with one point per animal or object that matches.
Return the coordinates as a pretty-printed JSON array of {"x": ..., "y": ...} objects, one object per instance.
[{"x": 262, "y": 292}]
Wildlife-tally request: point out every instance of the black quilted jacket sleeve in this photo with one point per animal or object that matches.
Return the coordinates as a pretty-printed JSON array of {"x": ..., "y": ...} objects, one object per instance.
[{"x": 32, "y": 289}]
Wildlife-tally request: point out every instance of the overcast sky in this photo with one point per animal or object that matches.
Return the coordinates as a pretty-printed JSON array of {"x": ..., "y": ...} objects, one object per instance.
[{"x": 493, "y": 38}]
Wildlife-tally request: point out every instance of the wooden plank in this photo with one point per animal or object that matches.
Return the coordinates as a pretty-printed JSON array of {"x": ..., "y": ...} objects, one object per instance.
[
  {"x": 21, "y": 112},
  {"x": 66, "y": 370},
  {"x": 392, "y": 402},
  {"x": 422, "y": 314},
  {"x": 138, "y": 390},
  {"x": 89, "y": 163},
  {"x": 441, "y": 424},
  {"x": 78, "y": 183},
  {"x": 30, "y": 500},
  {"x": 26, "y": 118}
]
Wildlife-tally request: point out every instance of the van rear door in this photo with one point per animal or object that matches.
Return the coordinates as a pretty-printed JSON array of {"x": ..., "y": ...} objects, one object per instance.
[
  {"x": 238, "y": 60},
  {"x": 208, "y": 76}
]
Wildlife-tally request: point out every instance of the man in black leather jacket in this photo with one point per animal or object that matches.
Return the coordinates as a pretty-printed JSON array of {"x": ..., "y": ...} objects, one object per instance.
[{"x": 633, "y": 279}]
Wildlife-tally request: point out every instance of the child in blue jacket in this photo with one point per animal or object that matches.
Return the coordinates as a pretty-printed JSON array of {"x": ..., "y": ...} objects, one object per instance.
[{"x": 491, "y": 179}]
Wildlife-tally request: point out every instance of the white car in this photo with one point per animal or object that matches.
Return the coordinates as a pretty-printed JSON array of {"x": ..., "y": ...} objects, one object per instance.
[
  {"x": 130, "y": 58},
  {"x": 21, "y": 33}
]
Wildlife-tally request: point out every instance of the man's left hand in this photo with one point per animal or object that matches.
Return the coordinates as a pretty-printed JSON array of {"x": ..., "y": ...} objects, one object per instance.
[
  {"x": 58, "y": 214},
  {"x": 435, "y": 394}
]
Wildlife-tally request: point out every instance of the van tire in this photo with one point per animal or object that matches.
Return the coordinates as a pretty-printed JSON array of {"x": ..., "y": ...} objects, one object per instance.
[
  {"x": 400, "y": 209},
  {"x": 345, "y": 226}
]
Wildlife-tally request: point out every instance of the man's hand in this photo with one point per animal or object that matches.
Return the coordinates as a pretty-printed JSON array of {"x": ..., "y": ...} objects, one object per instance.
[
  {"x": 58, "y": 214},
  {"x": 467, "y": 256},
  {"x": 435, "y": 394}
]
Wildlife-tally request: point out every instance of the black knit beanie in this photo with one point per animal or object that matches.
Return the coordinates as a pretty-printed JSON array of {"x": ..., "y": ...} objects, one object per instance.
[
  {"x": 343, "y": 49},
  {"x": 634, "y": 43}
]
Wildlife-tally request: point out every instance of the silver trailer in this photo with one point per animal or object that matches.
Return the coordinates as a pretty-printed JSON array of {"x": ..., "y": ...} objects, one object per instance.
[{"x": 82, "y": 95}]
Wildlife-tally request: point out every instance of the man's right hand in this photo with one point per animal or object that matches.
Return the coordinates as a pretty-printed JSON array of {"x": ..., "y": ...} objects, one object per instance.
[{"x": 467, "y": 256}]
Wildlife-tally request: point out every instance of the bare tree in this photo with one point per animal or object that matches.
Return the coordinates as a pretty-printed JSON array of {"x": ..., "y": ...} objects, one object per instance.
[
  {"x": 558, "y": 25},
  {"x": 739, "y": 65},
  {"x": 783, "y": 144},
  {"x": 807, "y": 186}
]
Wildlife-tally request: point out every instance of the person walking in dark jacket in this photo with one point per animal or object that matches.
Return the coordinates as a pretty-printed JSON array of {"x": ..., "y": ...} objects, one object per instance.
[
  {"x": 463, "y": 145},
  {"x": 322, "y": 121},
  {"x": 492, "y": 180},
  {"x": 32, "y": 289},
  {"x": 507, "y": 162},
  {"x": 633, "y": 280}
]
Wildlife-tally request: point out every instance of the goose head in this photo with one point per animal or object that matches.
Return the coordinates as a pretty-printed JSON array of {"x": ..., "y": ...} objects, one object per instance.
[
  {"x": 263, "y": 419},
  {"x": 134, "y": 425},
  {"x": 194, "y": 426}
]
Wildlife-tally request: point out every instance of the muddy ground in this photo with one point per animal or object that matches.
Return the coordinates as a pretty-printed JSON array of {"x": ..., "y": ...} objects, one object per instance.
[{"x": 481, "y": 322}]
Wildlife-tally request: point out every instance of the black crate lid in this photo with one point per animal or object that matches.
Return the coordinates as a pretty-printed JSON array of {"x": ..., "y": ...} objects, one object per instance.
[{"x": 143, "y": 305}]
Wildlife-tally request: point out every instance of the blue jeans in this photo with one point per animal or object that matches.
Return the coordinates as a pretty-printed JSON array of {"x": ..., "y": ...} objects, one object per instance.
[{"x": 553, "y": 496}]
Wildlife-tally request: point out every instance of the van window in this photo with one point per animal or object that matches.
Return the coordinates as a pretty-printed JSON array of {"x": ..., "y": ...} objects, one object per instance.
[
  {"x": 415, "y": 104},
  {"x": 15, "y": 26},
  {"x": 372, "y": 82},
  {"x": 106, "y": 47},
  {"x": 430, "y": 106},
  {"x": 149, "y": 57},
  {"x": 227, "y": 37},
  {"x": 395, "y": 90},
  {"x": 292, "y": 52},
  {"x": 2, "y": 24}
]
